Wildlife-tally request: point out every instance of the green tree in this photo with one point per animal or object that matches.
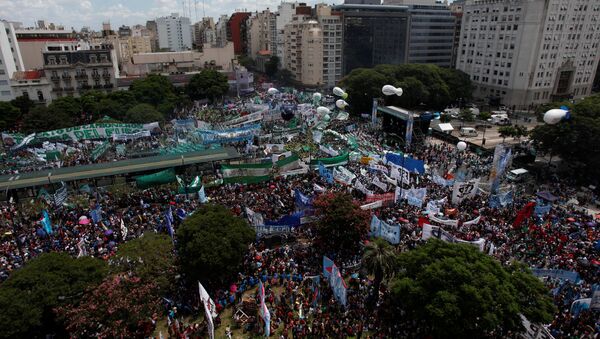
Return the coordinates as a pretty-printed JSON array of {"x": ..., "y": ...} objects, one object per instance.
[
  {"x": 379, "y": 260},
  {"x": 466, "y": 115},
  {"x": 445, "y": 290},
  {"x": 143, "y": 113},
  {"x": 485, "y": 115},
  {"x": 362, "y": 85},
  {"x": 246, "y": 61},
  {"x": 272, "y": 65},
  {"x": 342, "y": 226},
  {"x": 41, "y": 118},
  {"x": 23, "y": 103},
  {"x": 29, "y": 296},
  {"x": 211, "y": 245},
  {"x": 153, "y": 89},
  {"x": 506, "y": 131},
  {"x": 414, "y": 93},
  {"x": 9, "y": 114},
  {"x": 208, "y": 84},
  {"x": 150, "y": 257},
  {"x": 284, "y": 76}
]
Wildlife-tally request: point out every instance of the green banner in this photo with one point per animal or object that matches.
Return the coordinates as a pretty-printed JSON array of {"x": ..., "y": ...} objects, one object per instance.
[
  {"x": 341, "y": 159},
  {"x": 159, "y": 178},
  {"x": 99, "y": 150},
  {"x": 246, "y": 179}
]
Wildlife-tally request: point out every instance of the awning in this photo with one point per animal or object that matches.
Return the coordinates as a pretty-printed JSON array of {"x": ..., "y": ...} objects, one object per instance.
[{"x": 446, "y": 127}]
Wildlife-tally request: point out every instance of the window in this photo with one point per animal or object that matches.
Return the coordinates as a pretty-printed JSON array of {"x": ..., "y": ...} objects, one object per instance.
[
  {"x": 3, "y": 82},
  {"x": 5, "y": 93}
]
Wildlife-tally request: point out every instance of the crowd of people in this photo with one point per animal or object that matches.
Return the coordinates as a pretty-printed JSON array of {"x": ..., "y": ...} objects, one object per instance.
[{"x": 301, "y": 302}]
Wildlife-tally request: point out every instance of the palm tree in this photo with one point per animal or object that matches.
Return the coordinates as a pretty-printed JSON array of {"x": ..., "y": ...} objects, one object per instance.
[{"x": 379, "y": 260}]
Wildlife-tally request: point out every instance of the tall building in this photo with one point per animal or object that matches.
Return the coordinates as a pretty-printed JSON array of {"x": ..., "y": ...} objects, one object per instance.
[
  {"x": 73, "y": 72},
  {"x": 457, "y": 11},
  {"x": 285, "y": 12},
  {"x": 262, "y": 33},
  {"x": 333, "y": 36},
  {"x": 521, "y": 53},
  {"x": 200, "y": 28},
  {"x": 303, "y": 55},
  {"x": 237, "y": 32},
  {"x": 431, "y": 33},
  {"x": 153, "y": 33},
  {"x": 373, "y": 35},
  {"x": 125, "y": 31},
  {"x": 221, "y": 30},
  {"x": 174, "y": 33},
  {"x": 32, "y": 43},
  {"x": 10, "y": 59}
]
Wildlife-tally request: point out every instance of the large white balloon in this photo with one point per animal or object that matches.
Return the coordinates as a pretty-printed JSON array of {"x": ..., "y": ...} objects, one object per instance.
[
  {"x": 338, "y": 91},
  {"x": 341, "y": 104},
  {"x": 554, "y": 116},
  {"x": 317, "y": 96},
  {"x": 272, "y": 91},
  {"x": 391, "y": 90},
  {"x": 461, "y": 145},
  {"x": 323, "y": 110}
]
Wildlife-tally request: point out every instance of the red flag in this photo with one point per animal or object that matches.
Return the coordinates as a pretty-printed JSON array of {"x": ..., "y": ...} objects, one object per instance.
[
  {"x": 423, "y": 220},
  {"x": 524, "y": 214}
]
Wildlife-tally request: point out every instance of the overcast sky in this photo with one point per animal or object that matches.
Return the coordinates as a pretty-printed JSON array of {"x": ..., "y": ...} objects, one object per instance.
[{"x": 91, "y": 13}]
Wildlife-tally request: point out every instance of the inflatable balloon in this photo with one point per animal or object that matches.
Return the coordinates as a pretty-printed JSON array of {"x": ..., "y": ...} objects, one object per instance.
[
  {"x": 399, "y": 91},
  {"x": 341, "y": 104},
  {"x": 345, "y": 95},
  {"x": 326, "y": 117},
  {"x": 317, "y": 96},
  {"x": 554, "y": 116},
  {"x": 322, "y": 110},
  {"x": 272, "y": 91},
  {"x": 338, "y": 91},
  {"x": 388, "y": 90},
  {"x": 461, "y": 145}
]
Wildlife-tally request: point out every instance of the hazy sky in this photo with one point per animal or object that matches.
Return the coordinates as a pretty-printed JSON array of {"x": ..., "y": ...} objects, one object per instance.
[{"x": 78, "y": 13}]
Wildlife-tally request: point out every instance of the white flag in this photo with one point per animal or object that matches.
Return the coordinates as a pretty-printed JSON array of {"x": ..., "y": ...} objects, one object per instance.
[
  {"x": 123, "y": 229},
  {"x": 209, "y": 310},
  {"x": 466, "y": 189}
]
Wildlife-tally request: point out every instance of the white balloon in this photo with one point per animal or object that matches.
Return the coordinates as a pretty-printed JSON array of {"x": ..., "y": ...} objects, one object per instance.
[
  {"x": 461, "y": 145},
  {"x": 323, "y": 110},
  {"x": 389, "y": 90},
  {"x": 399, "y": 91},
  {"x": 554, "y": 116},
  {"x": 317, "y": 96},
  {"x": 272, "y": 91},
  {"x": 338, "y": 91},
  {"x": 327, "y": 117},
  {"x": 341, "y": 104}
]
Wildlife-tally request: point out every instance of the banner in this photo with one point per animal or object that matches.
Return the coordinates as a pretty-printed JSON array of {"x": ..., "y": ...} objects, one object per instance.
[
  {"x": 95, "y": 131},
  {"x": 379, "y": 184},
  {"x": 385, "y": 198},
  {"x": 448, "y": 222},
  {"x": 256, "y": 219},
  {"x": 325, "y": 173},
  {"x": 245, "y": 119},
  {"x": 430, "y": 231},
  {"x": 193, "y": 187},
  {"x": 302, "y": 201},
  {"x": 435, "y": 206},
  {"x": 131, "y": 136},
  {"x": 60, "y": 196},
  {"x": 416, "y": 196},
  {"x": 340, "y": 160},
  {"x": 272, "y": 229},
  {"x": 12, "y": 139},
  {"x": 288, "y": 162},
  {"x": 294, "y": 219},
  {"x": 542, "y": 209},
  {"x": 412, "y": 165},
  {"x": 99, "y": 150},
  {"x": 409, "y": 130},
  {"x": 501, "y": 199},
  {"x": 373, "y": 205},
  {"x": 362, "y": 188},
  {"x": 524, "y": 214},
  {"x": 246, "y": 173},
  {"x": 327, "y": 265},
  {"x": 24, "y": 141},
  {"x": 401, "y": 174},
  {"x": 464, "y": 190},
  {"x": 502, "y": 156},
  {"x": 264, "y": 311},
  {"x": 342, "y": 175},
  {"x": 557, "y": 274},
  {"x": 381, "y": 229},
  {"x": 46, "y": 223},
  {"x": 245, "y": 133},
  {"x": 441, "y": 181},
  {"x": 158, "y": 178},
  {"x": 328, "y": 150},
  {"x": 338, "y": 285}
]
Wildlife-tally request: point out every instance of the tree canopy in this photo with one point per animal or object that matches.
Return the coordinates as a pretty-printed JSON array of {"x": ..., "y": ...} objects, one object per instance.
[
  {"x": 211, "y": 245},
  {"x": 142, "y": 113},
  {"x": 431, "y": 85},
  {"x": 208, "y": 84},
  {"x": 9, "y": 114},
  {"x": 342, "y": 225},
  {"x": 28, "y": 297},
  {"x": 575, "y": 140},
  {"x": 445, "y": 290}
]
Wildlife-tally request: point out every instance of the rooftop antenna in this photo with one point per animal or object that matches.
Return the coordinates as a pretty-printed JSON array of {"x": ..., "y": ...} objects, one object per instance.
[{"x": 203, "y": 12}]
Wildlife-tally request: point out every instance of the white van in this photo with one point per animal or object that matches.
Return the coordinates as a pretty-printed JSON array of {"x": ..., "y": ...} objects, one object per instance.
[
  {"x": 468, "y": 132},
  {"x": 500, "y": 119},
  {"x": 517, "y": 175}
]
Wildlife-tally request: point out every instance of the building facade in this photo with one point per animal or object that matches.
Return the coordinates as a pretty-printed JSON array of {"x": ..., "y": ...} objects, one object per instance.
[
  {"x": 303, "y": 55},
  {"x": 333, "y": 36},
  {"x": 10, "y": 59},
  {"x": 174, "y": 33},
  {"x": 262, "y": 33},
  {"x": 237, "y": 32},
  {"x": 373, "y": 35},
  {"x": 528, "y": 52},
  {"x": 32, "y": 84},
  {"x": 73, "y": 72},
  {"x": 431, "y": 34},
  {"x": 32, "y": 43},
  {"x": 457, "y": 11}
]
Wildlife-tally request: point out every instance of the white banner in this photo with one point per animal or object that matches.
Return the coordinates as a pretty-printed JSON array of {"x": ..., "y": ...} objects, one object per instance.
[
  {"x": 341, "y": 174},
  {"x": 379, "y": 184},
  {"x": 132, "y": 136},
  {"x": 466, "y": 189},
  {"x": 372, "y": 205},
  {"x": 360, "y": 187},
  {"x": 329, "y": 150}
]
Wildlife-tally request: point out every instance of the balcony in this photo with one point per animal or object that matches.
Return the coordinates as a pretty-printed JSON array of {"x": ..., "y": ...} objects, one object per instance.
[
  {"x": 66, "y": 76},
  {"x": 54, "y": 78},
  {"x": 98, "y": 87},
  {"x": 81, "y": 76},
  {"x": 106, "y": 75},
  {"x": 96, "y": 75}
]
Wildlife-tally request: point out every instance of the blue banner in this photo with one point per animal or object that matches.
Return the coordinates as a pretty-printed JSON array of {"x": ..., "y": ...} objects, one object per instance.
[
  {"x": 501, "y": 199},
  {"x": 338, "y": 285},
  {"x": 302, "y": 201},
  {"x": 288, "y": 220},
  {"x": 46, "y": 223},
  {"x": 381, "y": 229},
  {"x": 96, "y": 214},
  {"x": 327, "y": 267},
  {"x": 542, "y": 209},
  {"x": 325, "y": 173},
  {"x": 412, "y": 165},
  {"x": 416, "y": 196},
  {"x": 556, "y": 274}
]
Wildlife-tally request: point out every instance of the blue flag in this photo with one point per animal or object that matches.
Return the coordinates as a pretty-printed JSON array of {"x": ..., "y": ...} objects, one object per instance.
[
  {"x": 202, "y": 195},
  {"x": 327, "y": 267},
  {"x": 96, "y": 214},
  {"x": 181, "y": 213},
  {"x": 169, "y": 221},
  {"x": 46, "y": 223}
]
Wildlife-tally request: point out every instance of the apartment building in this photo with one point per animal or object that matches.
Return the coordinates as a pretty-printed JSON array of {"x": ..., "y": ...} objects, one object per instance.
[
  {"x": 10, "y": 59},
  {"x": 174, "y": 33},
  {"x": 527, "y": 52}
]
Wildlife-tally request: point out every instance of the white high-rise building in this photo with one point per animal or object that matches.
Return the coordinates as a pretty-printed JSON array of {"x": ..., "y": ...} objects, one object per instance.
[
  {"x": 285, "y": 12},
  {"x": 174, "y": 33},
  {"x": 527, "y": 52},
  {"x": 332, "y": 45},
  {"x": 10, "y": 59}
]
